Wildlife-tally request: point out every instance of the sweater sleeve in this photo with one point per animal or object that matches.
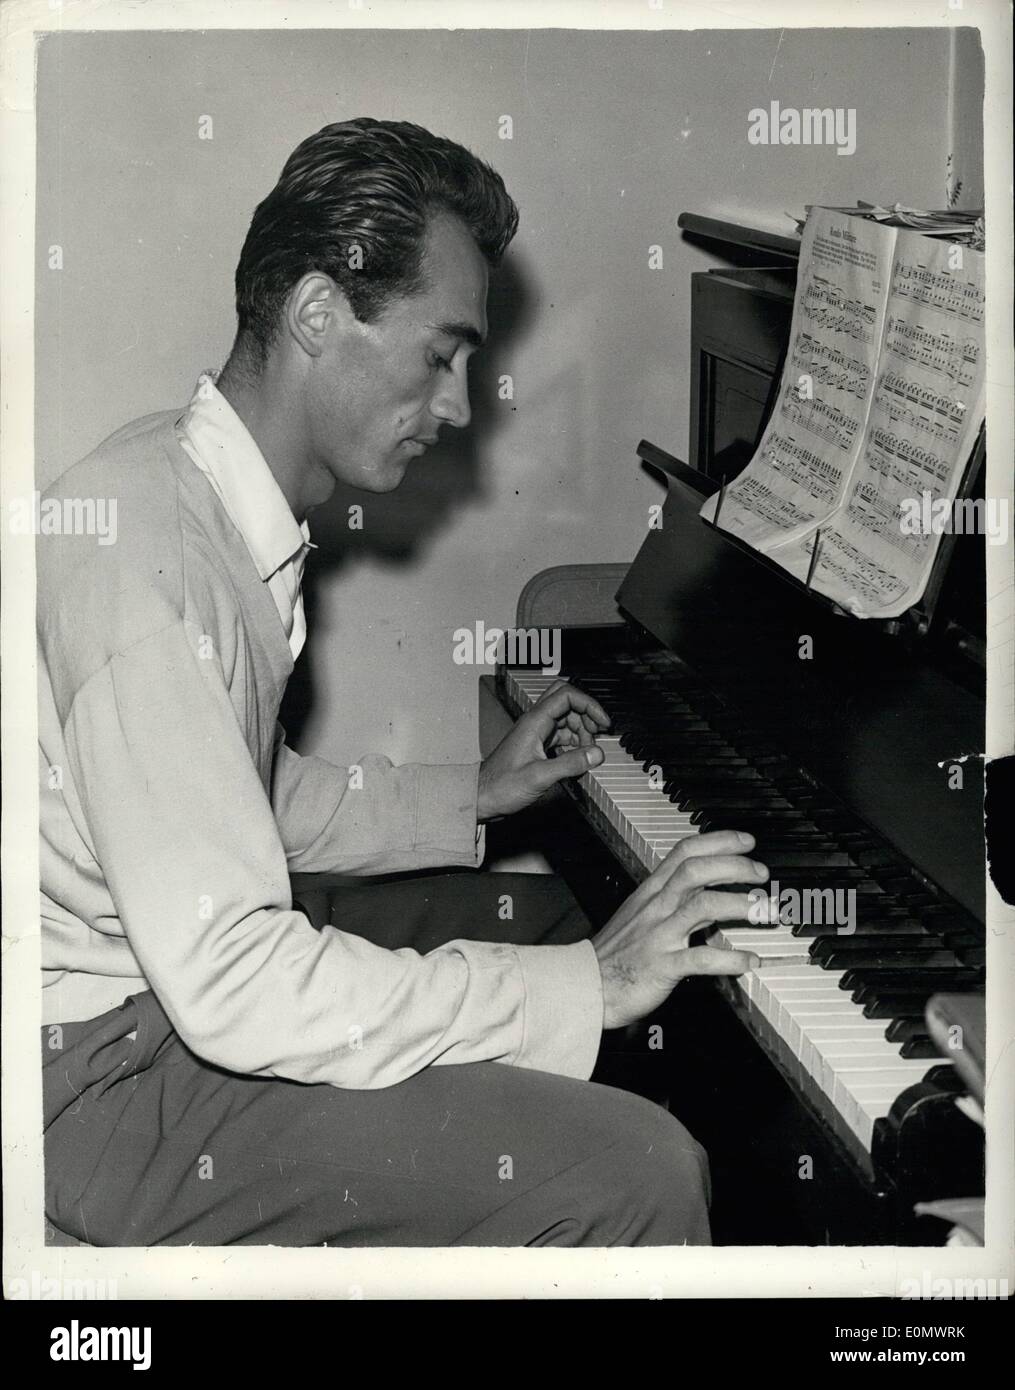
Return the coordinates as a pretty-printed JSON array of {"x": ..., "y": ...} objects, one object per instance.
[
  {"x": 187, "y": 841},
  {"x": 373, "y": 817}
]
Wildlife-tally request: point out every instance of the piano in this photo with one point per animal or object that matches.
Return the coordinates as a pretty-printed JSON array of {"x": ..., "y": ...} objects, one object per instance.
[
  {"x": 854, "y": 759},
  {"x": 842, "y": 765},
  {"x": 827, "y": 1103}
]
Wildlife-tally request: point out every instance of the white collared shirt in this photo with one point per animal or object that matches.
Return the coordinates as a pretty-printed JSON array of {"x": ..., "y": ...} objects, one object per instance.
[{"x": 218, "y": 441}]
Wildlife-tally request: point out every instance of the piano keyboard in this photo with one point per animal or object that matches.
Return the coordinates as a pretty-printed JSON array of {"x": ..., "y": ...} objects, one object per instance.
[{"x": 825, "y": 1039}]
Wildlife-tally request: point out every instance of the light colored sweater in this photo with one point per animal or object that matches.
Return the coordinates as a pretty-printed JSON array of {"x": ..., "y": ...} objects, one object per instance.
[{"x": 172, "y": 813}]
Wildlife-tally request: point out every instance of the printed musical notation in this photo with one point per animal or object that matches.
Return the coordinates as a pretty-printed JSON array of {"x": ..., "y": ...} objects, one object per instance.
[
  {"x": 941, "y": 290},
  {"x": 803, "y": 466},
  {"x": 825, "y": 305},
  {"x": 773, "y": 508},
  {"x": 920, "y": 407},
  {"x": 861, "y": 572},
  {"x": 940, "y": 351},
  {"x": 885, "y": 470},
  {"x": 868, "y": 508},
  {"x": 829, "y": 365},
  {"x": 921, "y": 465},
  {"x": 820, "y": 418},
  {"x": 881, "y": 400},
  {"x": 844, "y": 567}
]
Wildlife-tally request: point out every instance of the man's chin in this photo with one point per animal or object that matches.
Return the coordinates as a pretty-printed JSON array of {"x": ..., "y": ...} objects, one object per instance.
[
  {"x": 393, "y": 476},
  {"x": 385, "y": 478}
]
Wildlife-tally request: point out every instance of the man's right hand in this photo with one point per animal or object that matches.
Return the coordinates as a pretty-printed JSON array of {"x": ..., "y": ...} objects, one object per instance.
[{"x": 643, "y": 950}]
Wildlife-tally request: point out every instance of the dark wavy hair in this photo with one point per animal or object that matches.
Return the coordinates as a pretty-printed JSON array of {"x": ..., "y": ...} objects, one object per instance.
[{"x": 353, "y": 202}]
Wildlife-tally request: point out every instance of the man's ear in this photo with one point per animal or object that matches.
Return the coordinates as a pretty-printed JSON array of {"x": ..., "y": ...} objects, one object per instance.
[{"x": 316, "y": 307}]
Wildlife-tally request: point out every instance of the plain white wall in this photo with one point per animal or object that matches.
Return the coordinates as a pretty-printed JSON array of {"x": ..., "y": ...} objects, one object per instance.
[{"x": 613, "y": 136}]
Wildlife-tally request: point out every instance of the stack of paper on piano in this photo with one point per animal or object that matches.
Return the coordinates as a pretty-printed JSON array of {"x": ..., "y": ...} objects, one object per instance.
[{"x": 880, "y": 403}]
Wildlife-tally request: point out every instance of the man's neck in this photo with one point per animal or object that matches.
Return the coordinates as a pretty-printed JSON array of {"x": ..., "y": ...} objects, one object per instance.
[{"x": 267, "y": 410}]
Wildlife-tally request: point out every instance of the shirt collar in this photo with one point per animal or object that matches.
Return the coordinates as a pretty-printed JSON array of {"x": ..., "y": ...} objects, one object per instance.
[{"x": 255, "y": 503}]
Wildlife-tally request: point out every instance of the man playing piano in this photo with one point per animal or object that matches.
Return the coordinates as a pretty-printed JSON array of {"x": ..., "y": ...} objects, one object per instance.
[{"x": 217, "y": 1069}]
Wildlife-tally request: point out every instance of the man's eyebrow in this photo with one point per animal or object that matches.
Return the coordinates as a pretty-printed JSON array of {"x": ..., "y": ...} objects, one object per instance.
[{"x": 465, "y": 331}]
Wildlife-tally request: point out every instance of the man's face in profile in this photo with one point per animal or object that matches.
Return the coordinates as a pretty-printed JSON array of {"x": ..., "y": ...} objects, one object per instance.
[{"x": 380, "y": 391}]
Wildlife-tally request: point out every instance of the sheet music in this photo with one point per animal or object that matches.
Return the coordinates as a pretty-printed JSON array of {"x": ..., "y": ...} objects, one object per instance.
[
  {"x": 806, "y": 456},
  {"x": 890, "y": 334},
  {"x": 927, "y": 406}
]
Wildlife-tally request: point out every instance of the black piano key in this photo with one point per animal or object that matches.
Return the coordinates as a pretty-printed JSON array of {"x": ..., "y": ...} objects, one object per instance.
[
  {"x": 665, "y": 721},
  {"x": 671, "y": 754},
  {"x": 774, "y": 817},
  {"x": 948, "y": 1078},
  {"x": 789, "y": 840},
  {"x": 806, "y": 859},
  {"x": 885, "y": 914},
  {"x": 771, "y": 846},
  {"x": 865, "y": 918},
  {"x": 874, "y": 914},
  {"x": 902, "y": 1028},
  {"x": 836, "y": 824},
  {"x": 874, "y": 857},
  {"x": 676, "y": 759},
  {"x": 852, "y": 839},
  {"x": 847, "y": 876},
  {"x": 920, "y": 1045},
  {"x": 744, "y": 780},
  {"x": 720, "y": 797},
  {"x": 909, "y": 980},
  {"x": 859, "y": 963},
  {"x": 973, "y": 956},
  {"x": 695, "y": 761},
  {"x": 948, "y": 916},
  {"x": 733, "y": 803},
  {"x": 956, "y": 939},
  {"x": 707, "y": 769},
  {"x": 841, "y": 944},
  {"x": 762, "y": 830},
  {"x": 870, "y": 908},
  {"x": 862, "y": 915},
  {"x": 646, "y": 747},
  {"x": 895, "y": 1006},
  {"x": 872, "y": 926}
]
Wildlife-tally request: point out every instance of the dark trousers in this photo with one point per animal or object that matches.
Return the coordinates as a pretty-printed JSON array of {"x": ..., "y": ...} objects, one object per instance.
[{"x": 146, "y": 1144}]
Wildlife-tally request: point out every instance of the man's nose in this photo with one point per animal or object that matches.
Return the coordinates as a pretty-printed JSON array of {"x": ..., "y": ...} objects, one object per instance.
[{"x": 451, "y": 401}]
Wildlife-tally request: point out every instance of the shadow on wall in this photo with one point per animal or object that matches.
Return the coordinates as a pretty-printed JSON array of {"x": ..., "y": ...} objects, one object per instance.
[{"x": 397, "y": 526}]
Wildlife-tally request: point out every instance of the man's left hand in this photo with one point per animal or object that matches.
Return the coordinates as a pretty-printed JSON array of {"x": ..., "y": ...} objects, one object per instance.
[{"x": 520, "y": 770}]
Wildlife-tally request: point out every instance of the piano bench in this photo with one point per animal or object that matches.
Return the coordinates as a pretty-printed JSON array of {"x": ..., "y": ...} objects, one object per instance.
[{"x": 571, "y": 596}]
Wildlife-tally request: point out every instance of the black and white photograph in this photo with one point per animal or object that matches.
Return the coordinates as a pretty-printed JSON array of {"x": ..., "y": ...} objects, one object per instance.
[{"x": 509, "y": 655}]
